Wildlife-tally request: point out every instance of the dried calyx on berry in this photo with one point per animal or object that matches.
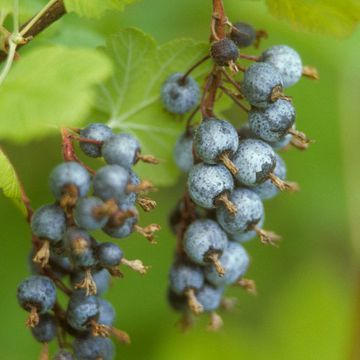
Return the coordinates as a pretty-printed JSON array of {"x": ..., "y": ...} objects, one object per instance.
[{"x": 85, "y": 200}]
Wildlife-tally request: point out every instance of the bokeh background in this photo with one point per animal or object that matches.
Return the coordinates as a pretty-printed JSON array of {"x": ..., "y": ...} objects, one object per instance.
[{"x": 308, "y": 305}]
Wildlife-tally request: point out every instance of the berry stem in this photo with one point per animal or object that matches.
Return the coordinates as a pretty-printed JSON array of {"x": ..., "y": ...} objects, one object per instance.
[
  {"x": 224, "y": 199},
  {"x": 214, "y": 259},
  {"x": 192, "y": 68},
  {"x": 249, "y": 57},
  {"x": 216, "y": 322},
  {"x": 232, "y": 81},
  {"x": 225, "y": 159},
  {"x": 311, "y": 73},
  {"x": 234, "y": 98},
  {"x": 194, "y": 305}
]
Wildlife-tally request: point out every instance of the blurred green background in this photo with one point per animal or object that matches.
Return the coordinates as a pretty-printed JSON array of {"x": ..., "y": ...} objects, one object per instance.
[{"x": 307, "y": 306}]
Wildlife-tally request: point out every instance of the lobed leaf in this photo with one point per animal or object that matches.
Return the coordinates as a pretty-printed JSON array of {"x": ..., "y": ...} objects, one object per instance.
[
  {"x": 131, "y": 99},
  {"x": 48, "y": 88},
  {"x": 9, "y": 182},
  {"x": 95, "y": 8},
  {"x": 332, "y": 17}
]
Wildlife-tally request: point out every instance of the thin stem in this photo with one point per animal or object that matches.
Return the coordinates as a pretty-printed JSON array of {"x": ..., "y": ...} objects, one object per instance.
[
  {"x": 231, "y": 80},
  {"x": 16, "y": 17},
  {"x": 192, "y": 68},
  {"x": 31, "y": 23},
  {"x": 234, "y": 98},
  {"x": 9, "y": 61}
]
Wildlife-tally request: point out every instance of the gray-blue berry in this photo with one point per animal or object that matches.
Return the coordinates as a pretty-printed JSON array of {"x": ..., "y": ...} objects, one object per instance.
[
  {"x": 63, "y": 354},
  {"x": 66, "y": 174},
  {"x": 204, "y": 241},
  {"x": 287, "y": 61},
  {"x": 121, "y": 149},
  {"x": 242, "y": 237},
  {"x": 37, "y": 292},
  {"x": 183, "y": 152},
  {"x": 214, "y": 139},
  {"x": 179, "y": 95},
  {"x": 235, "y": 261},
  {"x": 93, "y": 348},
  {"x": 109, "y": 254},
  {"x": 95, "y": 131},
  {"x": 184, "y": 277},
  {"x": 261, "y": 82},
  {"x": 210, "y": 297},
  {"x": 106, "y": 313},
  {"x": 86, "y": 215},
  {"x": 129, "y": 198},
  {"x": 45, "y": 330},
  {"x": 274, "y": 122},
  {"x": 110, "y": 182},
  {"x": 207, "y": 182},
  {"x": 255, "y": 160},
  {"x": 249, "y": 212},
  {"x": 49, "y": 222}
]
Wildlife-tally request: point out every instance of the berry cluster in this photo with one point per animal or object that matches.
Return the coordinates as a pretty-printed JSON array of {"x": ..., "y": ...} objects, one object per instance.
[
  {"x": 230, "y": 170},
  {"x": 66, "y": 256}
]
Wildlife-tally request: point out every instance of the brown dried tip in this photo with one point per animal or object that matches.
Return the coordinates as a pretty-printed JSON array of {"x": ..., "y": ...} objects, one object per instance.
[
  {"x": 69, "y": 197},
  {"x": 149, "y": 159},
  {"x": 284, "y": 185},
  {"x": 99, "y": 329},
  {"x": 146, "y": 203},
  {"x": 120, "y": 216},
  {"x": 224, "y": 199},
  {"x": 44, "y": 354},
  {"x": 87, "y": 283},
  {"x": 311, "y": 72},
  {"x": 79, "y": 245},
  {"x": 144, "y": 186},
  {"x": 108, "y": 208},
  {"x": 33, "y": 318},
  {"x": 195, "y": 307},
  {"x": 214, "y": 259},
  {"x": 260, "y": 34},
  {"x": 43, "y": 254},
  {"x": 233, "y": 67},
  {"x": 136, "y": 265},
  {"x": 115, "y": 271},
  {"x": 249, "y": 285},
  {"x": 121, "y": 336},
  {"x": 298, "y": 144},
  {"x": 229, "y": 304},
  {"x": 300, "y": 137},
  {"x": 186, "y": 322},
  {"x": 148, "y": 231},
  {"x": 267, "y": 237},
  {"x": 277, "y": 93},
  {"x": 216, "y": 322},
  {"x": 224, "y": 158}
]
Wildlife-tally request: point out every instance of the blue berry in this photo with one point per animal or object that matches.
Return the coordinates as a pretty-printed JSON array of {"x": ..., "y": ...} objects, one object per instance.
[
  {"x": 287, "y": 61},
  {"x": 204, "y": 241},
  {"x": 234, "y": 260},
  {"x": 179, "y": 95},
  {"x": 255, "y": 160},
  {"x": 210, "y": 297},
  {"x": 49, "y": 222},
  {"x": 245, "y": 132},
  {"x": 207, "y": 182},
  {"x": 242, "y": 237},
  {"x": 274, "y": 122},
  {"x": 129, "y": 198},
  {"x": 121, "y": 149},
  {"x": 95, "y": 131},
  {"x": 177, "y": 302},
  {"x": 69, "y": 174},
  {"x": 110, "y": 182},
  {"x": 243, "y": 34},
  {"x": 87, "y": 215},
  {"x": 93, "y": 348},
  {"x": 79, "y": 247},
  {"x": 284, "y": 141},
  {"x": 125, "y": 228},
  {"x": 261, "y": 82},
  {"x": 183, "y": 152},
  {"x": 81, "y": 310},
  {"x": 101, "y": 278},
  {"x": 106, "y": 313},
  {"x": 109, "y": 254},
  {"x": 249, "y": 212},
  {"x": 224, "y": 51},
  {"x": 45, "y": 330},
  {"x": 184, "y": 277},
  {"x": 37, "y": 292},
  {"x": 267, "y": 190},
  {"x": 63, "y": 354},
  {"x": 214, "y": 139}
]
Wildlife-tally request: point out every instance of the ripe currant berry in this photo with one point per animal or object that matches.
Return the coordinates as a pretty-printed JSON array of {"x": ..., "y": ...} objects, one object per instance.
[
  {"x": 210, "y": 297},
  {"x": 224, "y": 52},
  {"x": 45, "y": 330},
  {"x": 178, "y": 94},
  {"x": 98, "y": 132},
  {"x": 63, "y": 354},
  {"x": 93, "y": 347},
  {"x": 183, "y": 152},
  {"x": 243, "y": 34}
]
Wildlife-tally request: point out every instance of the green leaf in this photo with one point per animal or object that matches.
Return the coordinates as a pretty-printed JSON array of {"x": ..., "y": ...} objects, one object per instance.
[
  {"x": 95, "y": 8},
  {"x": 332, "y": 17},
  {"x": 131, "y": 100},
  {"x": 9, "y": 182},
  {"x": 48, "y": 88}
]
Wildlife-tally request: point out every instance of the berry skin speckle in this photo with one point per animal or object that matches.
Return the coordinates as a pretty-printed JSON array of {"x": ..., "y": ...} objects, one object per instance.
[{"x": 224, "y": 51}]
